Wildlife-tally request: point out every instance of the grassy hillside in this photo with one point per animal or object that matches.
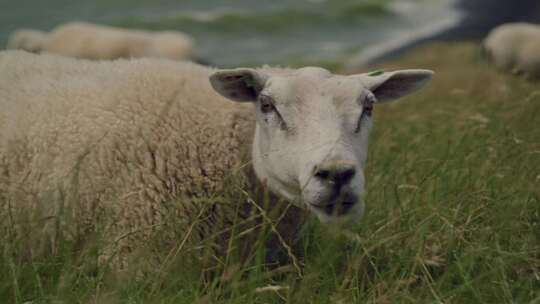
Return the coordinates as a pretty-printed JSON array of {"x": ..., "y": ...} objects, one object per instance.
[{"x": 453, "y": 215}]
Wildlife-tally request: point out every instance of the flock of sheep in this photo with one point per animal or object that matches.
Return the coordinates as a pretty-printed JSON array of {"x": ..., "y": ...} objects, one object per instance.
[{"x": 128, "y": 137}]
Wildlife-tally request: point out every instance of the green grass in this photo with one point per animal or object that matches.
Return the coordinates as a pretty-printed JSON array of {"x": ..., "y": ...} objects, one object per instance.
[{"x": 453, "y": 216}]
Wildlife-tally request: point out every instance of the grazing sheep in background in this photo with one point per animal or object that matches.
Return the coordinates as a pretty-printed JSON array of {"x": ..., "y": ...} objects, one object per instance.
[
  {"x": 26, "y": 39},
  {"x": 124, "y": 139},
  {"x": 515, "y": 47},
  {"x": 99, "y": 42}
]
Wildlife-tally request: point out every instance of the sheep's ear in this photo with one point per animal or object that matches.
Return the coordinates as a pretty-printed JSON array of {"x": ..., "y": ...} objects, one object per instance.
[
  {"x": 387, "y": 86},
  {"x": 238, "y": 84}
]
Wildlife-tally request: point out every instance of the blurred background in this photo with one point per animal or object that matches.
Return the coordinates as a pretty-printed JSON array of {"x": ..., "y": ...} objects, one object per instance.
[{"x": 247, "y": 32}]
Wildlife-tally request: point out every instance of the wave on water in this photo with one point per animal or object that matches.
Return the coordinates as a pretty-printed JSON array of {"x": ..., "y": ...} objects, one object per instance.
[
  {"x": 430, "y": 21},
  {"x": 245, "y": 32},
  {"x": 222, "y": 19}
]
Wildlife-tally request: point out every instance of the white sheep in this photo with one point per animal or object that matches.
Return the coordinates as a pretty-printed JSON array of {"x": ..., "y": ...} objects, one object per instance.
[
  {"x": 92, "y": 41},
  {"x": 515, "y": 47},
  {"x": 26, "y": 39},
  {"x": 124, "y": 139}
]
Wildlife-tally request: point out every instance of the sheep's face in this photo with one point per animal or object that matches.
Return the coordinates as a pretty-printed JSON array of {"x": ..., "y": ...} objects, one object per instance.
[{"x": 312, "y": 130}]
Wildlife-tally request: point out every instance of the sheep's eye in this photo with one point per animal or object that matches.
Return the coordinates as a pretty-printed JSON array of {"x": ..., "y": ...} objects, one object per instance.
[
  {"x": 266, "y": 104},
  {"x": 267, "y": 107},
  {"x": 367, "y": 104},
  {"x": 367, "y": 109}
]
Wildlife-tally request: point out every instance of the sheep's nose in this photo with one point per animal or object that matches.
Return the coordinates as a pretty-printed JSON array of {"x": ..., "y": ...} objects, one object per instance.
[{"x": 338, "y": 172}]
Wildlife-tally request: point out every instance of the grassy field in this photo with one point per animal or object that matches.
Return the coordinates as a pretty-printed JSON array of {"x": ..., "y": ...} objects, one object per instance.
[{"x": 453, "y": 215}]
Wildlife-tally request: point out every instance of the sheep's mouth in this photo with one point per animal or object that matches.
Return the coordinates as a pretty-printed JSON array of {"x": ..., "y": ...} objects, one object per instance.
[{"x": 337, "y": 207}]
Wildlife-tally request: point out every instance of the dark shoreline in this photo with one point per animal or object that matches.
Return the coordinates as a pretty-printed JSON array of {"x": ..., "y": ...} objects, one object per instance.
[{"x": 479, "y": 17}]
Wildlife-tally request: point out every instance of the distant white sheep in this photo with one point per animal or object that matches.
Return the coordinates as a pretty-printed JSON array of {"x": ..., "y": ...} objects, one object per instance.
[
  {"x": 92, "y": 41},
  {"x": 515, "y": 47},
  {"x": 124, "y": 139},
  {"x": 26, "y": 39}
]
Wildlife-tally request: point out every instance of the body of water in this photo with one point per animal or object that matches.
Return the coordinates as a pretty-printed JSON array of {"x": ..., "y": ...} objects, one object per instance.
[{"x": 246, "y": 32}]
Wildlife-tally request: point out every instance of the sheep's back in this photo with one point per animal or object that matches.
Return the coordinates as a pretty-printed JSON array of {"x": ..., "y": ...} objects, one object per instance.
[
  {"x": 507, "y": 42},
  {"x": 119, "y": 138}
]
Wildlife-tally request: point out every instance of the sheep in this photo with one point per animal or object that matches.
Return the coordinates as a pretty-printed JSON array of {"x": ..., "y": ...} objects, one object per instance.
[
  {"x": 26, "y": 39},
  {"x": 99, "y": 42},
  {"x": 515, "y": 47},
  {"x": 125, "y": 139}
]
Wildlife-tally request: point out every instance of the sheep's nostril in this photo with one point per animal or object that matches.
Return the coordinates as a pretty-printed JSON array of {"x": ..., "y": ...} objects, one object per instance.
[
  {"x": 322, "y": 174},
  {"x": 343, "y": 177},
  {"x": 339, "y": 173}
]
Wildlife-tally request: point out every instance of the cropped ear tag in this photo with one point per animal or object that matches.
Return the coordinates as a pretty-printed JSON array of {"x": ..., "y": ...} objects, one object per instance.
[{"x": 375, "y": 73}]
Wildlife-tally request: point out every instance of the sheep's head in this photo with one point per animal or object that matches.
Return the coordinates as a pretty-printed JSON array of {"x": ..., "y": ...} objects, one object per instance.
[
  {"x": 28, "y": 40},
  {"x": 312, "y": 130}
]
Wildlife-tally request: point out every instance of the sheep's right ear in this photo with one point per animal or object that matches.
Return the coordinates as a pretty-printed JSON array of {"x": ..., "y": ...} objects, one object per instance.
[
  {"x": 388, "y": 86},
  {"x": 238, "y": 84}
]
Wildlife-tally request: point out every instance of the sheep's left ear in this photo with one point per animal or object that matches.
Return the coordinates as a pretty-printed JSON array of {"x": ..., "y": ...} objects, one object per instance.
[
  {"x": 387, "y": 86},
  {"x": 238, "y": 84}
]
